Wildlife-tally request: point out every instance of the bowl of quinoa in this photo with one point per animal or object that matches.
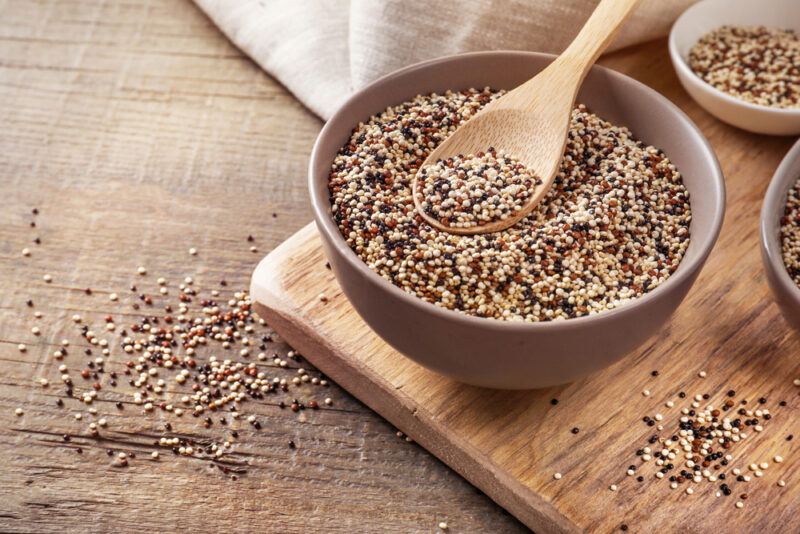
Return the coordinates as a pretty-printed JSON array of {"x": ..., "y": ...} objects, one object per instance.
[
  {"x": 740, "y": 60},
  {"x": 595, "y": 270},
  {"x": 780, "y": 235}
]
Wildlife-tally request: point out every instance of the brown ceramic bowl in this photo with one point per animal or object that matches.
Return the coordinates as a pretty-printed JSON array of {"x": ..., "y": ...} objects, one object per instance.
[
  {"x": 516, "y": 355},
  {"x": 783, "y": 287}
]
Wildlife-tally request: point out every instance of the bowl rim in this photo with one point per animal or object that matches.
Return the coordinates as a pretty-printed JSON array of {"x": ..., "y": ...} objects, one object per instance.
[
  {"x": 321, "y": 209},
  {"x": 775, "y": 202},
  {"x": 682, "y": 65}
]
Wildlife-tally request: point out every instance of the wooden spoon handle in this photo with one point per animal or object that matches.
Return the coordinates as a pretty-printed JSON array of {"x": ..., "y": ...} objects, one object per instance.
[{"x": 595, "y": 36}]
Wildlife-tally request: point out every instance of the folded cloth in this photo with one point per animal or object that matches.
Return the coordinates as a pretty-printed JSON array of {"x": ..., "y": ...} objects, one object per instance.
[{"x": 323, "y": 50}]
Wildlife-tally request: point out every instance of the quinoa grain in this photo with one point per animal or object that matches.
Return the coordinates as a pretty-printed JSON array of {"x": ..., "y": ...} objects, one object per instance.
[
  {"x": 614, "y": 226},
  {"x": 790, "y": 237},
  {"x": 464, "y": 192},
  {"x": 752, "y": 63}
]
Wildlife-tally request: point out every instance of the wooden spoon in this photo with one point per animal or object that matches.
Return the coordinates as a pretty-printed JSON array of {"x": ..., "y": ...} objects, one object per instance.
[{"x": 531, "y": 122}]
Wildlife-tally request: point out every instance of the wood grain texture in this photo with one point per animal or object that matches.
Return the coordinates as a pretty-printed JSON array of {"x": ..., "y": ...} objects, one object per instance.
[
  {"x": 510, "y": 444},
  {"x": 139, "y": 131}
]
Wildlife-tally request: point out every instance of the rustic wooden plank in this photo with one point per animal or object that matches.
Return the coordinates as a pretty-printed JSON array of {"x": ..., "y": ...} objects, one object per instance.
[
  {"x": 510, "y": 444},
  {"x": 139, "y": 131}
]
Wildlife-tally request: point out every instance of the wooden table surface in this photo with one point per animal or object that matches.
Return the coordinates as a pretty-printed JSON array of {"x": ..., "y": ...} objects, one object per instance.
[{"x": 139, "y": 131}]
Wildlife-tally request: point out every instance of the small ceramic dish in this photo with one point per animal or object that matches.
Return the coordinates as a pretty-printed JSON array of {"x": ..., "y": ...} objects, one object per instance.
[
  {"x": 708, "y": 15},
  {"x": 500, "y": 354},
  {"x": 783, "y": 287}
]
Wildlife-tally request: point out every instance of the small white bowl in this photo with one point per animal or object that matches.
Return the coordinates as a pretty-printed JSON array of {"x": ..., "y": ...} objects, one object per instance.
[{"x": 709, "y": 15}]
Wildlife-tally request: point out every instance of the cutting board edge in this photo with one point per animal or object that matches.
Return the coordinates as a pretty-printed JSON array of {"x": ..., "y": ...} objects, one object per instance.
[{"x": 270, "y": 302}]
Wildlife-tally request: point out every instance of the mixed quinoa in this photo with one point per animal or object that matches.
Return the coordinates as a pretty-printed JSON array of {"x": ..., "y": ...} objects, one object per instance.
[
  {"x": 475, "y": 190},
  {"x": 752, "y": 63},
  {"x": 614, "y": 226},
  {"x": 790, "y": 233}
]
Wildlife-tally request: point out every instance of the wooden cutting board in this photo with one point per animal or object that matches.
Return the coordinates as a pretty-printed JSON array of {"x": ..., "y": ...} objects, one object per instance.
[{"x": 510, "y": 444}]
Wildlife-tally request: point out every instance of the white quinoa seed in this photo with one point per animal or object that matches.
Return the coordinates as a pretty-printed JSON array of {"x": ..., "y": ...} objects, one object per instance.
[
  {"x": 557, "y": 476},
  {"x": 47, "y": 278},
  {"x": 26, "y": 252}
]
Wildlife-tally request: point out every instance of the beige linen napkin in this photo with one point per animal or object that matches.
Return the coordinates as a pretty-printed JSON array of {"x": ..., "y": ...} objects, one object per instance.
[{"x": 323, "y": 50}]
